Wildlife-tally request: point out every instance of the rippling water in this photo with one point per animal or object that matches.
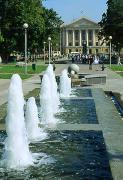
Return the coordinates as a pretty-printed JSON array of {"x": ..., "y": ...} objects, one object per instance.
[
  {"x": 65, "y": 155},
  {"x": 78, "y": 111}
]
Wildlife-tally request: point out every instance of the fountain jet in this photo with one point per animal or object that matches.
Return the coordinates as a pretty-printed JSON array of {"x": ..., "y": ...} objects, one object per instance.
[
  {"x": 65, "y": 84},
  {"x": 53, "y": 86},
  {"x": 47, "y": 113},
  {"x": 17, "y": 154},
  {"x": 32, "y": 121}
]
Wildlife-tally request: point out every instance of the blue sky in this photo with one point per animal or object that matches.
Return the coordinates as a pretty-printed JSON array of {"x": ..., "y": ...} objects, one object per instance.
[{"x": 70, "y": 10}]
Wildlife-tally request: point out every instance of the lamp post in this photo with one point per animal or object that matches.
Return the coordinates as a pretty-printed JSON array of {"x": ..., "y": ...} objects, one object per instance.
[
  {"x": 25, "y": 26},
  {"x": 110, "y": 38},
  {"x": 49, "y": 39},
  {"x": 51, "y": 51},
  {"x": 44, "y": 51},
  {"x": 84, "y": 47}
]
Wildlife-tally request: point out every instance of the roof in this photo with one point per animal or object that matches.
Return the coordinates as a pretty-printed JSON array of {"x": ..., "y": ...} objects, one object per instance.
[{"x": 81, "y": 22}]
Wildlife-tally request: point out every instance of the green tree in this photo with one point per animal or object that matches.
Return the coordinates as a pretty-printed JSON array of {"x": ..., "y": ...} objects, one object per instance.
[
  {"x": 14, "y": 14},
  {"x": 52, "y": 26},
  {"x": 112, "y": 22},
  {"x": 42, "y": 23},
  {"x": 1, "y": 38}
]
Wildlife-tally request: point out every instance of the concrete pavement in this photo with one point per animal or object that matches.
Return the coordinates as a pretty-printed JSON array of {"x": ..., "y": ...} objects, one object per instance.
[
  {"x": 114, "y": 81},
  {"x": 110, "y": 122}
]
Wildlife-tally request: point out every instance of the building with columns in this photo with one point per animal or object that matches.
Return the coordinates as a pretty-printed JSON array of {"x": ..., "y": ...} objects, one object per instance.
[{"x": 80, "y": 32}]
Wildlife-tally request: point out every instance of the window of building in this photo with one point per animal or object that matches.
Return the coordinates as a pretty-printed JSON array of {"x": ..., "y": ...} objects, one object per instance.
[
  {"x": 70, "y": 35},
  {"x": 76, "y": 44},
  {"x": 84, "y": 35},
  {"x": 69, "y": 50},
  {"x": 106, "y": 50},
  {"x": 90, "y": 51},
  {"x": 76, "y": 35},
  {"x": 97, "y": 44},
  {"x": 90, "y": 43},
  {"x": 70, "y": 32},
  {"x": 76, "y": 50},
  {"x": 97, "y": 51},
  {"x": 90, "y": 35},
  {"x": 70, "y": 43}
]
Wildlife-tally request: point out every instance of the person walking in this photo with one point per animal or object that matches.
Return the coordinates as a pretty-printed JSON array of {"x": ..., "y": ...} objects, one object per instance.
[
  {"x": 90, "y": 61},
  {"x": 119, "y": 62}
]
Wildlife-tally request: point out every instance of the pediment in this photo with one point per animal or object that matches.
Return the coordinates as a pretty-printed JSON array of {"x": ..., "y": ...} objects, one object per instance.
[{"x": 83, "y": 22}]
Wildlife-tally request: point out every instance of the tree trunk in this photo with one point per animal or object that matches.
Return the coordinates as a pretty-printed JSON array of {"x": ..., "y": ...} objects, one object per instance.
[{"x": 5, "y": 57}]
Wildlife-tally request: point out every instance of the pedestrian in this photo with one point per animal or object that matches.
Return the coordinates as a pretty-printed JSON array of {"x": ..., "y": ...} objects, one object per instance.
[
  {"x": 54, "y": 67},
  {"x": 102, "y": 67},
  {"x": 90, "y": 61},
  {"x": 119, "y": 62},
  {"x": 72, "y": 59},
  {"x": 96, "y": 60}
]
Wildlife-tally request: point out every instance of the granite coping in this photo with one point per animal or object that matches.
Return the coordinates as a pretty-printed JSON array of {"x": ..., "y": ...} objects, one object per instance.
[{"x": 112, "y": 127}]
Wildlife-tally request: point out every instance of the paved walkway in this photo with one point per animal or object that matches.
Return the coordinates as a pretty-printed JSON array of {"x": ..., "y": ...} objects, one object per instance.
[
  {"x": 114, "y": 81},
  {"x": 110, "y": 122},
  {"x": 28, "y": 85}
]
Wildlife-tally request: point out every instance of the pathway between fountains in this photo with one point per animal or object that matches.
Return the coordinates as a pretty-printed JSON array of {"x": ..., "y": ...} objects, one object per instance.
[
  {"x": 77, "y": 141},
  {"x": 109, "y": 124}
]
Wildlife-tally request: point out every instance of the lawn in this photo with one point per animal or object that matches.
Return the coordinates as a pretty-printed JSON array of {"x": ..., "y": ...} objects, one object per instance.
[
  {"x": 8, "y": 76},
  {"x": 6, "y": 71},
  {"x": 117, "y": 67}
]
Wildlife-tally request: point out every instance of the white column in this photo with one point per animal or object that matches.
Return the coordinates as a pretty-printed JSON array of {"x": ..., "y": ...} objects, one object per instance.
[
  {"x": 94, "y": 38},
  {"x": 87, "y": 37},
  {"x": 73, "y": 38},
  {"x": 66, "y": 37},
  {"x": 80, "y": 38}
]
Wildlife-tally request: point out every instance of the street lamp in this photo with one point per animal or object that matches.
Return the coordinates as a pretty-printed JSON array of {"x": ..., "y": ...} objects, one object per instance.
[
  {"x": 25, "y": 26},
  {"x": 110, "y": 38},
  {"x": 44, "y": 51},
  {"x": 84, "y": 47},
  {"x": 51, "y": 50},
  {"x": 49, "y": 39}
]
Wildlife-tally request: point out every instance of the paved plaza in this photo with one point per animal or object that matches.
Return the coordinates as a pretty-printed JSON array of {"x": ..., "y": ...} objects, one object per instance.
[
  {"x": 110, "y": 122},
  {"x": 114, "y": 81}
]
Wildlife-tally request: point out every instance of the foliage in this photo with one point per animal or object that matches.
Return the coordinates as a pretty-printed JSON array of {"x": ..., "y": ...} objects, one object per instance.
[
  {"x": 112, "y": 23},
  {"x": 14, "y": 13},
  {"x": 1, "y": 38},
  {"x": 52, "y": 26}
]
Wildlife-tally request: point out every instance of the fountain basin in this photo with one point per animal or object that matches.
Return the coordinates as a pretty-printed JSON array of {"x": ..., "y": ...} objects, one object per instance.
[
  {"x": 78, "y": 111},
  {"x": 81, "y": 92},
  {"x": 66, "y": 155}
]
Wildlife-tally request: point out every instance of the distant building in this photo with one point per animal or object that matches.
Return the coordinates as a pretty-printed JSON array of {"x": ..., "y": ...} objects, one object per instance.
[{"x": 80, "y": 36}]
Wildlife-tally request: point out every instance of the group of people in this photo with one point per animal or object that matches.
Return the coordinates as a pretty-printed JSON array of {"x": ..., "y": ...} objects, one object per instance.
[
  {"x": 88, "y": 59},
  {"x": 85, "y": 59}
]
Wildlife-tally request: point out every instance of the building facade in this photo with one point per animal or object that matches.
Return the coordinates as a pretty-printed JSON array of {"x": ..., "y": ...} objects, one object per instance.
[{"x": 80, "y": 33}]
